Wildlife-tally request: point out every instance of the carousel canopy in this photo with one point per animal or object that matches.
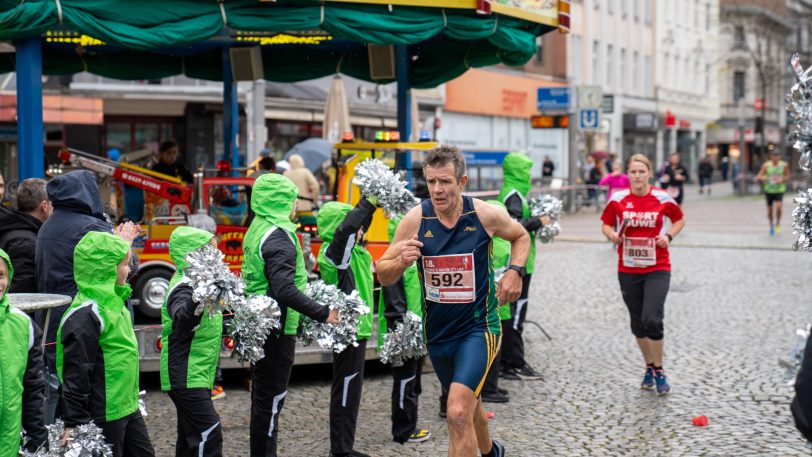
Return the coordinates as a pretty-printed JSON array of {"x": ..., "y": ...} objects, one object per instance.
[{"x": 299, "y": 40}]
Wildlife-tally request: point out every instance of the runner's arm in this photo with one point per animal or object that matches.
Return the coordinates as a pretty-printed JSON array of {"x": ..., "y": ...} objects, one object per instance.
[
  {"x": 762, "y": 173},
  {"x": 404, "y": 250},
  {"x": 497, "y": 222},
  {"x": 787, "y": 174},
  {"x": 610, "y": 233}
]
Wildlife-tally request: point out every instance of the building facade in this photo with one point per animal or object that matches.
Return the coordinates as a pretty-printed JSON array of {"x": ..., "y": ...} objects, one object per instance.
[
  {"x": 612, "y": 45},
  {"x": 686, "y": 77},
  {"x": 753, "y": 55}
]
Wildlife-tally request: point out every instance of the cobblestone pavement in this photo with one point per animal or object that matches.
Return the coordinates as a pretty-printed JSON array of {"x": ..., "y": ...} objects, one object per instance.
[{"x": 730, "y": 314}]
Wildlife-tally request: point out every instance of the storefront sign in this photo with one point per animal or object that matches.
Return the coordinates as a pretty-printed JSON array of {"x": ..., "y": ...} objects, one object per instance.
[
  {"x": 540, "y": 11},
  {"x": 493, "y": 93},
  {"x": 58, "y": 109}
]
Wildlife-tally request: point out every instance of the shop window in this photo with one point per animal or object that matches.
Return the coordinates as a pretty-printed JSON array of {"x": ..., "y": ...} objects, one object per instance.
[{"x": 118, "y": 136}]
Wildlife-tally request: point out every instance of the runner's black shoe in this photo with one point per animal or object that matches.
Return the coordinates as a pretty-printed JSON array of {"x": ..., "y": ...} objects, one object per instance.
[
  {"x": 442, "y": 412},
  {"x": 498, "y": 449}
]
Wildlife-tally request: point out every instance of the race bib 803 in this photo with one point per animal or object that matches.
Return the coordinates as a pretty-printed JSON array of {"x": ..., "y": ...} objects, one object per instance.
[
  {"x": 639, "y": 252},
  {"x": 449, "y": 278}
]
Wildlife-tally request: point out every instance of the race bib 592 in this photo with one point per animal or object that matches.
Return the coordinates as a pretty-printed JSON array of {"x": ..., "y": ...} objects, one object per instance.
[{"x": 449, "y": 278}]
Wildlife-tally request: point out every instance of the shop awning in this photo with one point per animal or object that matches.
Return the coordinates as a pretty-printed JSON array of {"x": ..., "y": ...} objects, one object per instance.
[{"x": 300, "y": 40}]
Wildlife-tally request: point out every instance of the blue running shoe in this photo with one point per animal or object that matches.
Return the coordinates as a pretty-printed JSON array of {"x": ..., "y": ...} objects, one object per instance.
[
  {"x": 648, "y": 379},
  {"x": 772, "y": 231},
  {"x": 662, "y": 384},
  {"x": 498, "y": 449}
]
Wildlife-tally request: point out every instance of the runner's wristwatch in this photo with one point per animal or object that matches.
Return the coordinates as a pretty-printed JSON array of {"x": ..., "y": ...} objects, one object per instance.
[{"x": 521, "y": 270}]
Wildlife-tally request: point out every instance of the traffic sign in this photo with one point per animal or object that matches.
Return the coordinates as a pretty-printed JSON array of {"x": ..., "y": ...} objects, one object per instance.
[
  {"x": 553, "y": 98},
  {"x": 590, "y": 97},
  {"x": 589, "y": 119}
]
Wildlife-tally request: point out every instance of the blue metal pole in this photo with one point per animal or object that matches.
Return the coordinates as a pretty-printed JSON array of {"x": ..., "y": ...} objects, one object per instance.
[
  {"x": 404, "y": 107},
  {"x": 31, "y": 162},
  {"x": 231, "y": 113}
]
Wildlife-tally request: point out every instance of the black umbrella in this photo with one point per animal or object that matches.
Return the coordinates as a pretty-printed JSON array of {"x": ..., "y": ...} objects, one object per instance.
[{"x": 314, "y": 152}]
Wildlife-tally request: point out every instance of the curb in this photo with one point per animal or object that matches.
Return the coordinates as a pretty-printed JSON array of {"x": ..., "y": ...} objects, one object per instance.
[{"x": 762, "y": 247}]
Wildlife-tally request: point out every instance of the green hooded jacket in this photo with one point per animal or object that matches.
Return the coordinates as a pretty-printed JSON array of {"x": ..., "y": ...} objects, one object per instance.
[
  {"x": 516, "y": 169},
  {"x": 330, "y": 217},
  {"x": 411, "y": 285},
  {"x": 501, "y": 257},
  {"x": 198, "y": 356},
  {"x": 16, "y": 340},
  {"x": 115, "y": 394},
  {"x": 273, "y": 198}
]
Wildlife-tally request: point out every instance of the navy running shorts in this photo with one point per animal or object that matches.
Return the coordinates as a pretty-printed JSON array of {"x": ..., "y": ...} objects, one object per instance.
[{"x": 465, "y": 360}]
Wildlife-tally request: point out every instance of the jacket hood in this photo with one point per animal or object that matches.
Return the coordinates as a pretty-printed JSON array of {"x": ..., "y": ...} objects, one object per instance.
[
  {"x": 4, "y": 298},
  {"x": 393, "y": 225},
  {"x": 516, "y": 168},
  {"x": 330, "y": 217},
  {"x": 273, "y": 199},
  {"x": 183, "y": 241},
  {"x": 296, "y": 161},
  {"x": 76, "y": 191},
  {"x": 95, "y": 261},
  {"x": 11, "y": 219}
]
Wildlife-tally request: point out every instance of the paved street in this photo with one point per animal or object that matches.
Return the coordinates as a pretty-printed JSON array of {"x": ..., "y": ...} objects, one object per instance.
[{"x": 732, "y": 311}]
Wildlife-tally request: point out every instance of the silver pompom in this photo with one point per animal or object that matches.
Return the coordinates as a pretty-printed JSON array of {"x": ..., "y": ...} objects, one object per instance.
[
  {"x": 215, "y": 287},
  {"x": 802, "y": 220},
  {"x": 250, "y": 326},
  {"x": 375, "y": 179},
  {"x": 799, "y": 106},
  {"x": 404, "y": 342},
  {"x": 85, "y": 440},
  {"x": 350, "y": 309},
  {"x": 791, "y": 362},
  {"x": 547, "y": 205}
]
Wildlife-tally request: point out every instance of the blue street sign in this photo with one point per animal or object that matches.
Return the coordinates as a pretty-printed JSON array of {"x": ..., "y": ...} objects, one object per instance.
[
  {"x": 589, "y": 119},
  {"x": 553, "y": 98}
]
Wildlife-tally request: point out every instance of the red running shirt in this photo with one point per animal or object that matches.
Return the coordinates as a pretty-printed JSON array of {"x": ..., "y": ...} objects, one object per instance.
[{"x": 645, "y": 217}]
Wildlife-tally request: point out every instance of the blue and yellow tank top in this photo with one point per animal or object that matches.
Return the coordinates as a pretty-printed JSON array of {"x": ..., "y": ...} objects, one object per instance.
[{"x": 456, "y": 274}]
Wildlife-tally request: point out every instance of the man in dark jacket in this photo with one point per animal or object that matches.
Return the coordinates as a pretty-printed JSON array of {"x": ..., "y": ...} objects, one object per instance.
[
  {"x": 18, "y": 232},
  {"x": 802, "y": 404},
  {"x": 168, "y": 162},
  {"x": 77, "y": 210}
]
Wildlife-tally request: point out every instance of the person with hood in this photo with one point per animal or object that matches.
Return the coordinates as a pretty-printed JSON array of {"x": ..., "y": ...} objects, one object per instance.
[
  {"x": 491, "y": 392},
  {"x": 516, "y": 168},
  {"x": 274, "y": 266},
  {"x": 96, "y": 348},
  {"x": 346, "y": 264},
  {"x": 18, "y": 232},
  {"x": 395, "y": 300},
  {"x": 78, "y": 209},
  {"x": 305, "y": 181},
  {"x": 190, "y": 352},
  {"x": 22, "y": 379}
]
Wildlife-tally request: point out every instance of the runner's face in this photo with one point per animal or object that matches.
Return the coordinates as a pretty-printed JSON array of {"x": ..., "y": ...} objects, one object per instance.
[
  {"x": 444, "y": 188},
  {"x": 639, "y": 174}
]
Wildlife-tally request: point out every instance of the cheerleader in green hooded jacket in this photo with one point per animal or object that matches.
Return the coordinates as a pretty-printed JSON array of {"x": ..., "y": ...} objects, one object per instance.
[
  {"x": 22, "y": 381},
  {"x": 96, "y": 349},
  {"x": 346, "y": 264},
  {"x": 395, "y": 300},
  {"x": 189, "y": 354}
]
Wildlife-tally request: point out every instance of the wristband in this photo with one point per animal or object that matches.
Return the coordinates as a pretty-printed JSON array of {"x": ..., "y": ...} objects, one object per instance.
[{"x": 670, "y": 238}]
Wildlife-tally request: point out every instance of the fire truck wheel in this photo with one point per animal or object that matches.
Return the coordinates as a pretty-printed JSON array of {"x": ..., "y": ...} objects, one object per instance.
[{"x": 150, "y": 290}]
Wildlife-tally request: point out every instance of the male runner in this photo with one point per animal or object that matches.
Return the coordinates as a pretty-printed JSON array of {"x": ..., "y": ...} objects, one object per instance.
[
  {"x": 450, "y": 237},
  {"x": 774, "y": 174}
]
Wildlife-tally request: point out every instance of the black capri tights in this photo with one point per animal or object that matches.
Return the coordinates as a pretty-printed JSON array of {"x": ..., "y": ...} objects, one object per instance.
[{"x": 644, "y": 295}]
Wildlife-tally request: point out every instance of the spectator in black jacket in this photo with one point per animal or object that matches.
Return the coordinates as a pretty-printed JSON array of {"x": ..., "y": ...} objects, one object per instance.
[
  {"x": 168, "y": 163},
  {"x": 77, "y": 210},
  {"x": 18, "y": 232},
  {"x": 802, "y": 404}
]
